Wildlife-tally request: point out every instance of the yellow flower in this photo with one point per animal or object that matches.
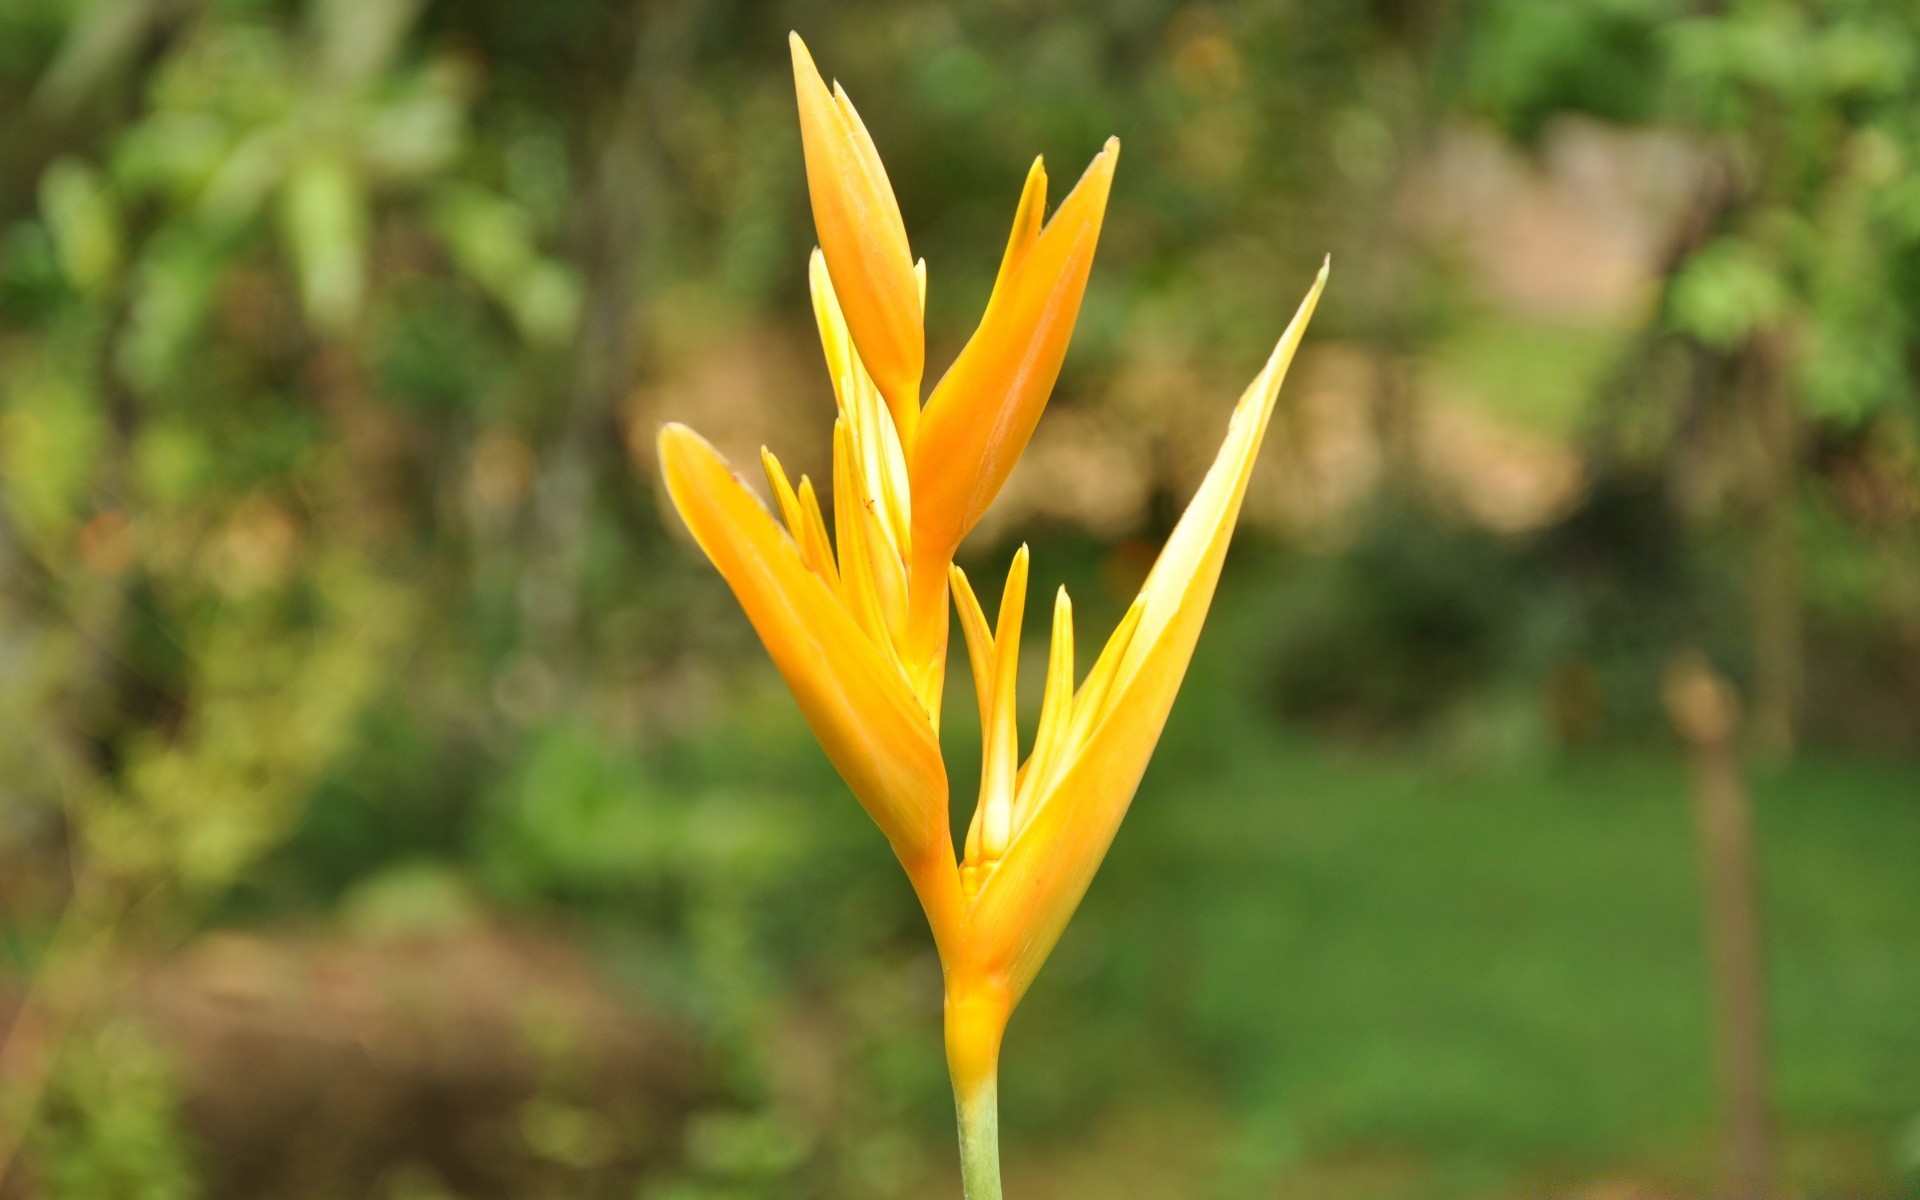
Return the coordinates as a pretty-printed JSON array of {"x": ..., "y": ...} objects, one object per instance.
[{"x": 857, "y": 622}]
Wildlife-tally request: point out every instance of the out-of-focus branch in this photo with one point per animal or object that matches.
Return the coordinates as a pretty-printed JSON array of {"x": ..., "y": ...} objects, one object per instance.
[{"x": 610, "y": 236}]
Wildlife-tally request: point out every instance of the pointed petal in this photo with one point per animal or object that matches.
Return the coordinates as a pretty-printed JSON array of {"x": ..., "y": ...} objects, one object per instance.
[
  {"x": 802, "y": 520},
  {"x": 979, "y": 638},
  {"x": 1001, "y": 737},
  {"x": 973, "y": 625},
  {"x": 858, "y": 706},
  {"x": 1056, "y": 706},
  {"x": 878, "y": 454},
  {"x": 1090, "y": 702},
  {"x": 1023, "y": 906},
  {"x": 817, "y": 549},
  {"x": 981, "y": 415},
  {"x": 783, "y": 497},
  {"x": 1028, "y": 217},
  {"x": 862, "y": 585},
  {"x": 864, "y": 239}
]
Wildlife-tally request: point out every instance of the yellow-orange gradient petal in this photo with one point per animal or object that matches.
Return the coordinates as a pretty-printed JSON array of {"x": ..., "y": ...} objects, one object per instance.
[
  {"x": 980, "y": 416},
  {"x": 864, "y": 240},
  {"x": 857, "y": 704},
  {"x": 1024, "y": 904}
]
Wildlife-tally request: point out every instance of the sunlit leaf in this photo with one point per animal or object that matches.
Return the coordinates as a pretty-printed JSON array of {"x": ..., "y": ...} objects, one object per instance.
[
  {"x": 1726, "y": 293},
  {"x": 324, "y": 219}
]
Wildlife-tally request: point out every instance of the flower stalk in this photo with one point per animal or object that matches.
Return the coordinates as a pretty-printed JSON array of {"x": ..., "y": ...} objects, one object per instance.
[{"x": 979, "y": 1114}]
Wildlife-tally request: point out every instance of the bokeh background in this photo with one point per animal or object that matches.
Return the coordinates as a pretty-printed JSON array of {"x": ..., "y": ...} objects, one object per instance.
[{"x": 393, "y": 804}]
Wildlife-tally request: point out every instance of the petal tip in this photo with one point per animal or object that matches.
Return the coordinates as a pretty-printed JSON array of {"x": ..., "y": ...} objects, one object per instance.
[
  {"x": 1097, "y": 179},
  {"x": 807, "y": 79},
  {"x": 679, "y": 446}
]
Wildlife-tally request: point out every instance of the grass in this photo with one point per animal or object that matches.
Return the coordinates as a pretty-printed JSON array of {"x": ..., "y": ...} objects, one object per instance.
[{"x": 1494, "y": 973}]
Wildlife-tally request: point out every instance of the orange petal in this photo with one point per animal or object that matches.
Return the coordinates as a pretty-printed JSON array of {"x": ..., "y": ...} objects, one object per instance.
[
  {"x": 1025, "y": 903},
  {"x": 864, "y": 240},
  {"x": 858, "y": 706},
  {"x": 979, "y": 418}
]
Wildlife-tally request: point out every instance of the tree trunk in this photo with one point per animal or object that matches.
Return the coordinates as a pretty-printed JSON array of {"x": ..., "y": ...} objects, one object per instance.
[
  {"x": 1778, "y": 633},
  {"x": 1702, "y": 709}
]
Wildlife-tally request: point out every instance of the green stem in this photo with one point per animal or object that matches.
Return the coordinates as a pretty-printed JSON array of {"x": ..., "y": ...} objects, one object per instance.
[{"x": 980, "y": 1141}]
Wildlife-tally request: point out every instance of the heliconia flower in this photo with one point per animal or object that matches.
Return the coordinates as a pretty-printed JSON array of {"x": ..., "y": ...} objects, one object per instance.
[{"x": 856, "y": 622}]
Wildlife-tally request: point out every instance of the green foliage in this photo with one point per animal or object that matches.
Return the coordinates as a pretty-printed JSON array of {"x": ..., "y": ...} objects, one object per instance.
[
  {"x": 572, "y": 814},
  {"x": 109, "y": 1127},
  {"x": 1528, "y": 62},
  {"x": 491, "y": 239},
  {"x": 1726, "y": 294},
  {"x": 83, "y": 224},
  {"x": 1807, "y": 113},
  {"x": 275, "y": 705},
  {"x": 50, "y": 442}
]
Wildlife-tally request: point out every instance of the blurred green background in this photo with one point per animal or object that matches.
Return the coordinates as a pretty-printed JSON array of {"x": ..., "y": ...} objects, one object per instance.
[{"x": 393, "y": 804}]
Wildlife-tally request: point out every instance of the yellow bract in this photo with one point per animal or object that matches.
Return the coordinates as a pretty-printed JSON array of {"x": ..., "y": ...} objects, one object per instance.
[
  {"x": 864, "y": 239},
  {"x": 980, "y": 416},
  {"x": 857, "y": 623}
]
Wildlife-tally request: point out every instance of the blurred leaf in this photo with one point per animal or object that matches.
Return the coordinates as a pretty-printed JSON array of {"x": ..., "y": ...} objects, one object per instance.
[
  {"x": 1727, "y": 293},
  {"x": 417, "y": 130},
  {"x": 172, "y": 154},
  {"x": 81, "y": 214},
  {"x": 573, "y": 812},
  {"x": 440, "y": 348},
  {"x": 270, "y": 708},
  {"x": 1867, "y": 58},
  {"x": 547, "y": 306},
  {"x": 51, "y": 435},
  {"x": 171, "y": 461},
  {"x": 488, "y": 235},
  {"x": 173, "y": 286},
  {"x": 357, "y": 40},
  {"x": 32, "y": 284},
  {"x": 323, "y": 215},
  {"x": 414, "y": 899},
  {"x": 492, "y": 241},
  {"x": 574, "y": 1136},
  {"x": 245, "y": 176},
  {"x": 744, "y": 1145},
  {"x": 110, "y": 1127},
  {"x": 99, "y": 43},
  {"x": 1527, "y": 61}
]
